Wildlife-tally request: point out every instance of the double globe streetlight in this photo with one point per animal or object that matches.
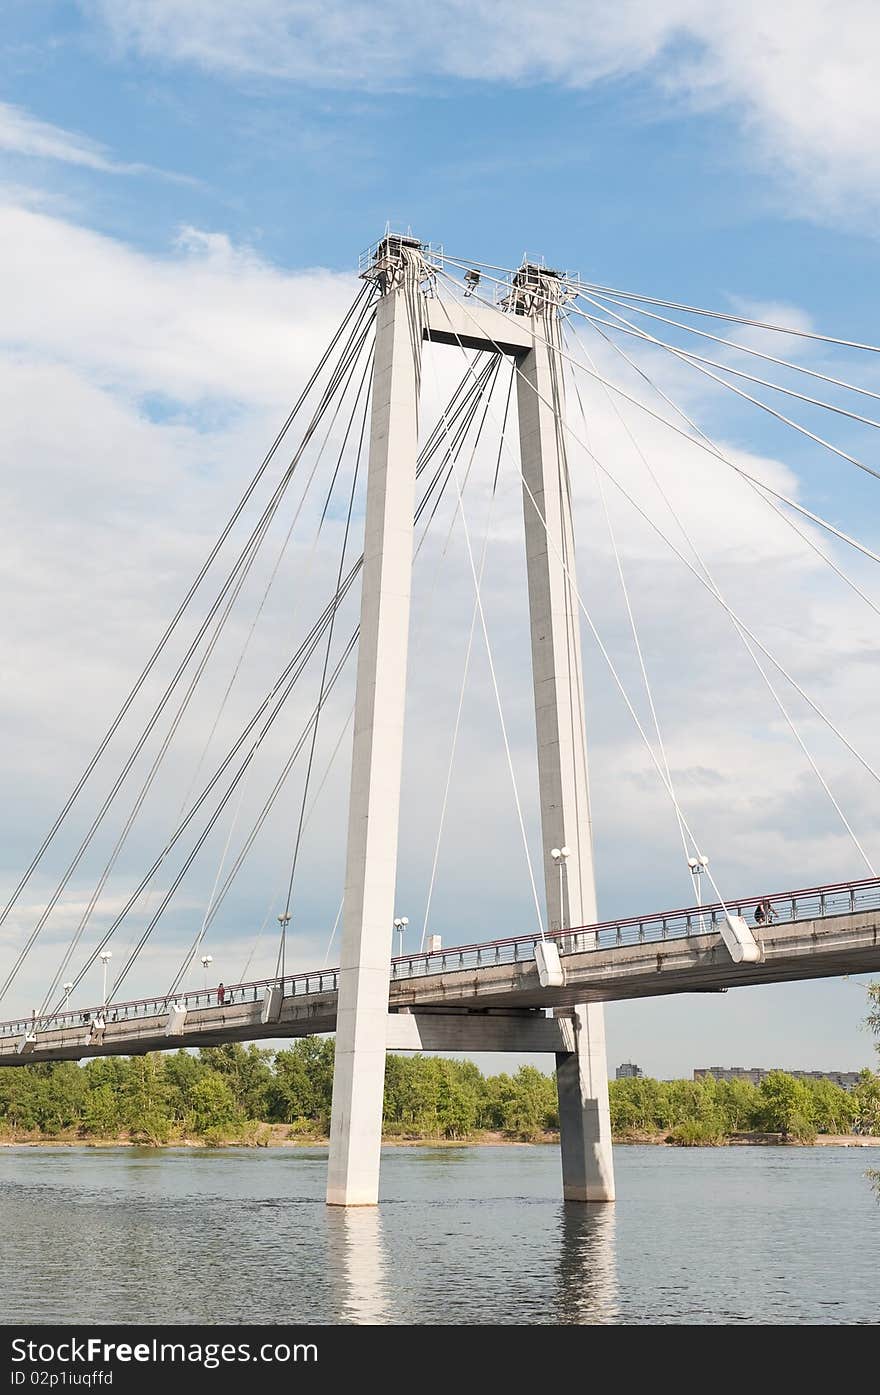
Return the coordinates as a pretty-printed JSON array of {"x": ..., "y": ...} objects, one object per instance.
[
  {"x": 207, "y": 961},
  {"x": 560, "y": 857},
  {"x": 698, "y": 866},
  {"x": 400, "y": 924}
]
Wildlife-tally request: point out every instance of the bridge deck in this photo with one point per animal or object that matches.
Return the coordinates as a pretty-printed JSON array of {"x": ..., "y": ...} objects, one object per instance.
[{"x": 496, "y": 978}]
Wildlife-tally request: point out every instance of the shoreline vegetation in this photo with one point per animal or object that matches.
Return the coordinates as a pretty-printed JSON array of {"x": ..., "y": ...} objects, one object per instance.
[
  {"x": 232, "y": 1095},
  {"x": 270, "y": 1136}
]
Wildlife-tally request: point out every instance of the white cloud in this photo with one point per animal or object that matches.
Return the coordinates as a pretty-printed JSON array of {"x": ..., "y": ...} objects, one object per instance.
[
  {"x": 24, "y": 134},
  {"x": 209, "y": 321},
  {"x": 799, "y": 74}
]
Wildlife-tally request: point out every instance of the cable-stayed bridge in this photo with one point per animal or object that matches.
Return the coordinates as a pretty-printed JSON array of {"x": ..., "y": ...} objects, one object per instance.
[{"x": 516, "y": 332}]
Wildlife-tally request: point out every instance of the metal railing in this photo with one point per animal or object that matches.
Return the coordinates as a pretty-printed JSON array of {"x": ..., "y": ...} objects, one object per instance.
[
  {"x": 431, "y": 251},
  {"x": 810, "y": 903},
  {"x": 140, "y": 1009}
]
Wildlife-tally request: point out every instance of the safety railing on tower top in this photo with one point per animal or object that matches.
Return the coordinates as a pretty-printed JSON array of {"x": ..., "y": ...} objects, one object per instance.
[{"x": 810, "y": 903}]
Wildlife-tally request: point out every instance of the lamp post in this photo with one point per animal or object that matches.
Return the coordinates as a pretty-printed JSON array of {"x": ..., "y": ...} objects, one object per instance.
[
  {"x": 68, "y": 989},
  {"x": 106, "y": 956},
  {"x": 698, "y": 866},
  {"x": 207, "y": 961},
  {"x": 560, "y": 857},
  {"x": 283, "y": 921},
  {"x": 400, "y": 924}
]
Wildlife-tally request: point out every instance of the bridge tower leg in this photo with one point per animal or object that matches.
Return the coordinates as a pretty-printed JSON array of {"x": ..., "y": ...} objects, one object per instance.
[
  {"x": 582, "y": 1075},
  {"x": 374, "y": 805}
]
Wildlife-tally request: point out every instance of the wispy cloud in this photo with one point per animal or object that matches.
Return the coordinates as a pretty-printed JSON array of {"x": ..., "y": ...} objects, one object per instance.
[
  {"x": 798, "y": 75},
  {"x": 24, "y": 134}
]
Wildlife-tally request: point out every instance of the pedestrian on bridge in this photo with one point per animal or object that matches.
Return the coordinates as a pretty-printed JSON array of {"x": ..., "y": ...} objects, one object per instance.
[
  {"x": 764, "y": 912},
  {"x": 221, "y": 995}
]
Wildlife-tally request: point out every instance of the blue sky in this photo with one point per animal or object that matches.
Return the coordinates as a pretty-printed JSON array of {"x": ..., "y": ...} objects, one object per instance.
[
  {"x": 185, "y": 190},
  {"x": 620, "y": 179}
]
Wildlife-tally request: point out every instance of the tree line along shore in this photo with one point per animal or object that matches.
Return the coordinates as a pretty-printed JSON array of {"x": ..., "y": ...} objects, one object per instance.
[{"x": 245, "y": 1095}]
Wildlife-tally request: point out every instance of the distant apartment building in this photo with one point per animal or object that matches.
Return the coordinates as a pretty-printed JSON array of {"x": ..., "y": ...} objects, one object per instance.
[
  {"x": 629, "y": 1071},
  {"x": 846, "y": 1079}
]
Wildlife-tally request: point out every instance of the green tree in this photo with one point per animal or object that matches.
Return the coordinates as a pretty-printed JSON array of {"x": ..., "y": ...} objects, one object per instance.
[
  {"x": 866, "y": 1099},
  {"x": 19, "y": 1098},
  {"x": 786, "y": 1105},
  {"x": 146, "y": 1108},
  {"x": 155, "y": 1096},
  {"x": 522, "y": 1105},
  {"x": 869, "y": 1105},
  {"x": 640, "y": 1105},
  {"x": 739, "y": 1104},
  {"x": 60, "y": 1091},
  {"x": 695, "y": 1102},
  {"x": 213, "y": 1104},
  {"x": 303, "y": 1084},
  {"x": 248, "y": 1072},
  {"x": 114, "y": 1071},
  {"x": 832, "y": 1109},
  {"x": 411, "y": 1100},
  {"x": 102, "y": 1114},
  {"x": 458, "y": 1099},
  {"x": 182, "y": 1072}
]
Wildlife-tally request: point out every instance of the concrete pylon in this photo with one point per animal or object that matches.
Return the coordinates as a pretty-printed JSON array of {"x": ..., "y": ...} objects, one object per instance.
[
  {"x": 582, "y": 1076},
  {"x": 374, "y": 805}
]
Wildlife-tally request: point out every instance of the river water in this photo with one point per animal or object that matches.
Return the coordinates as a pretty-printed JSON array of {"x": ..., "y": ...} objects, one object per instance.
[{"x": 463, "y": 1235}]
